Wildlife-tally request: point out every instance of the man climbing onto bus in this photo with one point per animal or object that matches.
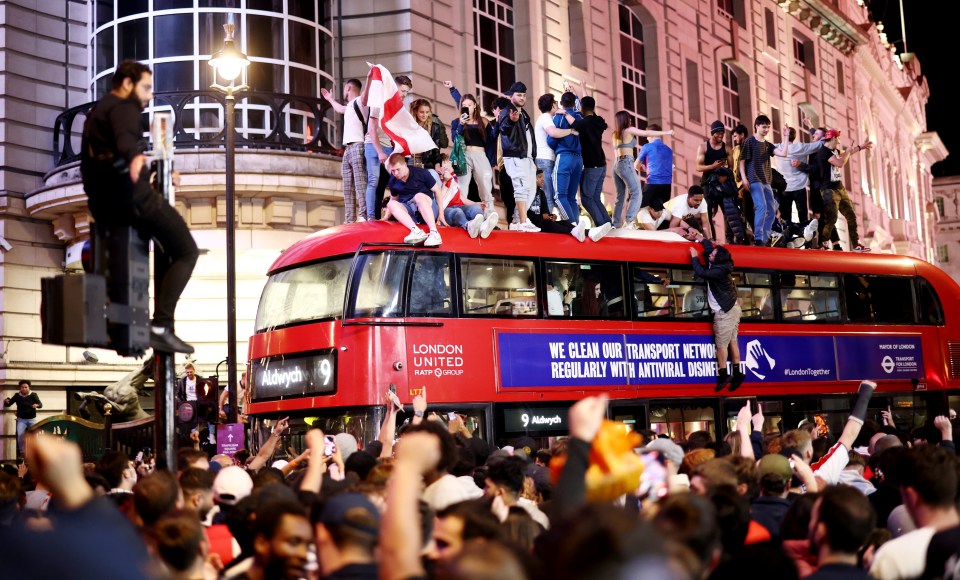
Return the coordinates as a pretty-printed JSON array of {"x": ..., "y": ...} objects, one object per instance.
[
  {"x": 723, "y": 301},
  {"x": 413, "y": 193}
]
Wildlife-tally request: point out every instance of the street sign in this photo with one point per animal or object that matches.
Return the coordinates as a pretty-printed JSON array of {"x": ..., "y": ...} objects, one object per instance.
[{"x": 229, "y": 438}]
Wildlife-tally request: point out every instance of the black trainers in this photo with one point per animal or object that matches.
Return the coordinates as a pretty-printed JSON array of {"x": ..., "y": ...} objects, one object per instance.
[
  {"x": 738, "y": 378},
  {"x": 723, "y": 379},
  {"x": 165, "y": 340}
]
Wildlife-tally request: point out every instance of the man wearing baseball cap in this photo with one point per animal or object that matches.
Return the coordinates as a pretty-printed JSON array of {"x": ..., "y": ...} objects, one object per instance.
[
  {"x": 774, "y": 474},
  {"x": 519, "y": 146},
  {"x": 346, "y": 531},
  {"x": 829, "y": 163},
  {"x": 713, "y": 154}
]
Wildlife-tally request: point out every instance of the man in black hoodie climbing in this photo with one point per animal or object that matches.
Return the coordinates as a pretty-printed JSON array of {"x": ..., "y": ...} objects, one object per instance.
[{"x": 722, "y": 298}]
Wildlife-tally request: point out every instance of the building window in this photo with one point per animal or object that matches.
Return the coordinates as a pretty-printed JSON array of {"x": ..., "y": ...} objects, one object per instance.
[
  {"x": 725, "y": 8},
  {"x": 578, "y": 34},
  {"x": 777, "y": 126},
  {"x": 803, "y": 52},
  {"x": 730, "y": 95},
  {"x": 942, "y": 255},
  {"x": 840, "y": 86},
  {"x": 939, "y": 202},
  {"x": 633, "y": 74},
  {"x": 494, "y": 53},
  {"x": 693, "y": 91},
  {"x": 771, "y": 28}
]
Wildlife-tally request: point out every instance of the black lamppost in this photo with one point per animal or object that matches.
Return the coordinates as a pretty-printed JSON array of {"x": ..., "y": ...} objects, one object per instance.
[{"x": 231, "y": 65}]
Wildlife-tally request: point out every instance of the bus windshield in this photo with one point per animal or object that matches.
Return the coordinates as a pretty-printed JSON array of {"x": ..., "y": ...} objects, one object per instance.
[{"x": 303, "y": 294}]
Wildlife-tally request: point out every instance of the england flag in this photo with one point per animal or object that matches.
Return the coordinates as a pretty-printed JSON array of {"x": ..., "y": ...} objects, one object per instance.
[{"x": 395, "y": 119}]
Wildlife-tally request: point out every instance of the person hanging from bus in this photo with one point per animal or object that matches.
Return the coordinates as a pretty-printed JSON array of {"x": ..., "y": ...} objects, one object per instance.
[
  {"x": 456, "y": 210},
  {"x": 539, "y": 214},
  {"x": 413, "y": 193},
  {"x": 723, "y": 300}
]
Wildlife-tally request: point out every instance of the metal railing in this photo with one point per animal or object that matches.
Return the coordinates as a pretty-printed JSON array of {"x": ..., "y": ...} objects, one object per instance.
[{"x": 264, "y": 121}]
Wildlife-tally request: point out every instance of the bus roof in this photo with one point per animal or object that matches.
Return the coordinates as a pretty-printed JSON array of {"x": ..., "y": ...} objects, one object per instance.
[{"x": 643, "y": 247}]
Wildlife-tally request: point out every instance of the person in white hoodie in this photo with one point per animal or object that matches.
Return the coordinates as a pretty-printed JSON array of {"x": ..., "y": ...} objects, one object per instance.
[
  {"x": 442, "y": 488},
  {"x": 792, "y": 169}
]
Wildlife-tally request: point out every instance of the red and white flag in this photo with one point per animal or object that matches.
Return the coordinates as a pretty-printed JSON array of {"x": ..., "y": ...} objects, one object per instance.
[{"x": 395, "y": 119}]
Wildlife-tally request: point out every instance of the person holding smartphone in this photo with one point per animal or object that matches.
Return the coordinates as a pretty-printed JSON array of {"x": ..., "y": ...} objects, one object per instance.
[{"x": 477, "y": 134}]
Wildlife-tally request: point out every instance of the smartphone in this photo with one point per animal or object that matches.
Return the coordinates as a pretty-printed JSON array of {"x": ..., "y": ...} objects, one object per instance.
[
  {"x": 139, "y": 458},
  {"x": 464, "y": 111},
  {"x": 330, "y": 446},
  {"x": 451, "y": 416}
]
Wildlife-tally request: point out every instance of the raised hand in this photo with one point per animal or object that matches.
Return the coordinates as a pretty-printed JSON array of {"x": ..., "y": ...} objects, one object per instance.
[
  {"x": 448, "y": 84},
  {"x": 586, "y": 416}
]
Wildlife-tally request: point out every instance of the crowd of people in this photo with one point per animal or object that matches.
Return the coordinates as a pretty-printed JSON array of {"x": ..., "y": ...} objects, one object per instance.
[
  {"x": 431, "y": 500},
  {"x": 755, "y": 183}
]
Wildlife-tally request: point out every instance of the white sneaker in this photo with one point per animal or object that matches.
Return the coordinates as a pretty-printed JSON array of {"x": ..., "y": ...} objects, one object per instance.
[
  {"x": 488, "y": 225},
  {"x": 578, "y": 232},
  {"x": 473, "y": 226},
  {"x": 596, "y": 234},
  {"x": 433, "y": 240},
  {"x": 416, "y": 236},
  {"x": 810, "y": 230},
  {"x": 515, "y": 227},
  {"x": 528, "y": 226},
  {"x": 630, "y": 225},
  {"x": 361, "y": 219}
]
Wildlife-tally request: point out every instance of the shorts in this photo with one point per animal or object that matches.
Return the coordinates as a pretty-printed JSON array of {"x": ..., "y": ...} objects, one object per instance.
[
  {"x": 523, "y": 174},
  {"x": 725, "y": 326},
  {"x": 414, "y": 210}
]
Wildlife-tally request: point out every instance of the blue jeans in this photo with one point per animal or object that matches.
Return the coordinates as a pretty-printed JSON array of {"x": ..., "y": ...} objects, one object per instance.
[
  {"x": 460, "y": 215},
  {"x": 22, "y": 426},
  {"x": 764, "y": 211},
  {"x": 414, "y": 210},
  {"x": 373, "y": 178},
  {"x": 546, "y": 165},
  {"x": 566, "y": 180},
  {"x": 591, "y": 192},
  {"x": 624, "y": 177}
]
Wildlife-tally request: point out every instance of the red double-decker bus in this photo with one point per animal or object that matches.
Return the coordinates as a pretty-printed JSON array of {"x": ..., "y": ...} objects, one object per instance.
[{"x": 512, "y": 329}]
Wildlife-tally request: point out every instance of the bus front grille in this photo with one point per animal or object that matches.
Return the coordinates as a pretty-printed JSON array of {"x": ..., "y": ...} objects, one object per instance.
[{"x": 953, "y": 349}]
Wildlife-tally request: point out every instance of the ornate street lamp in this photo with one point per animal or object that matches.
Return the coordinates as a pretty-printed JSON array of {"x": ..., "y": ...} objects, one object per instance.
[{"x": 231, "y": 65}]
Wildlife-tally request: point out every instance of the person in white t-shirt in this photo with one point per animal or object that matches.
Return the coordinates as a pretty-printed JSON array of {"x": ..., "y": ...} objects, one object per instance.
[
  {"x": 354, "y": 167},
  {"x": 656, "y": 217},
  {"x": 545, "y": 156},
  {"x": 689, "y": 211},
  {"x": 187, "y": 385}
]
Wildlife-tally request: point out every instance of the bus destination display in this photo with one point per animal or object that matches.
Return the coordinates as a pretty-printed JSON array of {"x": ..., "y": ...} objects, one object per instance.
[
  {"x": 294, "y": 376},
  {"x": 522, "y": 420}
]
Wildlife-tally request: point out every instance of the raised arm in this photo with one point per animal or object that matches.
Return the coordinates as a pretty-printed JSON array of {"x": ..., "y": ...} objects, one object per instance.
[
  {"x": 270, "y": 446},
  {"x": 316, "y": 462},
  {"x": 388, "y": 430},
  {"x": 646, "y": 133},
  {"x": 454, "y": 93},
  {"x": 341, "y": 109}
]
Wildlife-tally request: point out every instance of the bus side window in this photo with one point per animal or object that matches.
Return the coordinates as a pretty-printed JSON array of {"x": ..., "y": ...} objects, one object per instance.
[
  {"x": 430, "y": 286},
  {"x": 378, "y": 285},
  {"x": 879, "y": 299},
  {"x": 585, "y": 290},
  {"x": 809, "y": 297},
  {"x": 500, "y": 287},
  {"x": 756, "y": 295},
  {"x": 930, "y": 310},
  {"x": 688, "y": 295},
  {"x": 652, "y": 291}
]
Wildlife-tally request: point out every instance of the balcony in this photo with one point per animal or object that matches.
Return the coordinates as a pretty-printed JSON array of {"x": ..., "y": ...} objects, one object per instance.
[{"x": 825, "y": 19}]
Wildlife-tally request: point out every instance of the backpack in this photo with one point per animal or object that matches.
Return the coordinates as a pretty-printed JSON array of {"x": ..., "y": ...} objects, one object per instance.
[{"x": 458, "y": 156}]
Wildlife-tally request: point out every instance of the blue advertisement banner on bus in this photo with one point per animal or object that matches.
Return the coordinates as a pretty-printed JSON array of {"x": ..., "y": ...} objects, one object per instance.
[{"x": 620, "y": 360}]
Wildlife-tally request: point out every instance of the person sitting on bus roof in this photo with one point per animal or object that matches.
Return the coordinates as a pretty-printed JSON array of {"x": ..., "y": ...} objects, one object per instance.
[
  {"x": 547, "y": 222},
  {"x": 412, "y": 194},
  {"x": 657, "y": 217},
  {"x": 458, "y": 211},
  {"x": 689, "y": 212},
  {"x": 723, "y": 300}
]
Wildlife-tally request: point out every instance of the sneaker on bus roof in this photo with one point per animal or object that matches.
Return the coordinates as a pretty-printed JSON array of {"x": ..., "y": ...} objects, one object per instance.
[
  {"x": 415, "y": 237},
  {"x": 528, "y": 226},
  {"x": 473, "y": 226},
  {"x": 515, "y": 227},
  {"x": 596, "y": 234},
  {"x": 810, "y": 230},
  {"x": 488, "y": 225},
  {"x": 630, "y": 225},
  {"x": 861, "y": 248},
  {"x": 433, "y": 240},
  {"x": 578, "y": 232}
]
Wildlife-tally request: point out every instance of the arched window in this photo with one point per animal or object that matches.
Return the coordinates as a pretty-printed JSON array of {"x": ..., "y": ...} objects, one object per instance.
[
  {"x": 633, "y": 75},
  {"x": 494, "y": 52},
  {"x": 730, "y": 95}
]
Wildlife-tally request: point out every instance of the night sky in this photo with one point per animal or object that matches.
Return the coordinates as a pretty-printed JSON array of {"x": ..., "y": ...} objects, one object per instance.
[{"x": 930, "y": 26}]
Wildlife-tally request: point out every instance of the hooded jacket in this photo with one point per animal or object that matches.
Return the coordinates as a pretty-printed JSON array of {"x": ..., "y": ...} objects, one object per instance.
[{"x": 719, "y": 278}]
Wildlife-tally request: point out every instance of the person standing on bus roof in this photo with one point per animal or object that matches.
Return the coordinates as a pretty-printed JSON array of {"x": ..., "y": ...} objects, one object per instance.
[
  {"x": 757, "y": 176},
  {"x": 519, "y": 148},
  {"x": 723, "y": 300},
  {"x": 830, "y": 162},
  {"x": 354, "y": 167},
  {"x": 569, "y": 161},
  {"x": 413, "y": 192}
]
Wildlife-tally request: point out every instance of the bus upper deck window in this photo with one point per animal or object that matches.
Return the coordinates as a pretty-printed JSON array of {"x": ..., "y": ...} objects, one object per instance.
[
  {"x": 931, "y": 312},
  {"x": 809, "y": 297},
  {"x": 756, "y": 295},
  {"x": 430, "y": 286},
  {"x": 377, "y": 289},
  {"x": 688, "y": 295},
  {"x": 585, "y": 290},
  {"x": 500, "y": 287},
  {"x": 303, "y": 294},
  {"x": 652, "y": 292}
]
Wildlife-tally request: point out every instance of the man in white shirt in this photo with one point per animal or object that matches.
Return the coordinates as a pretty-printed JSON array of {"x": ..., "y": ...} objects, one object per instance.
[
  {"x": 545, "y": 156},
  {"x": 654, "y": 216},
  {"x": 689, "y": 210},
  {"x": 354, "y": 167}
]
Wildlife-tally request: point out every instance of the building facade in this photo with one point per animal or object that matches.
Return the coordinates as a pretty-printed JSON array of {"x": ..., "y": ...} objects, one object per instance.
[
  {"x": 681, "y": 64},
  {"x": 946, "y": 204}
]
